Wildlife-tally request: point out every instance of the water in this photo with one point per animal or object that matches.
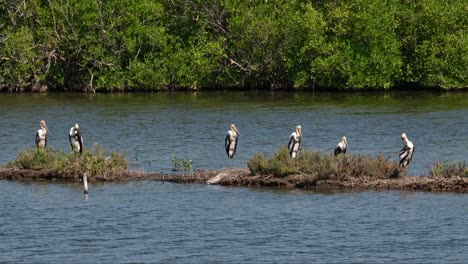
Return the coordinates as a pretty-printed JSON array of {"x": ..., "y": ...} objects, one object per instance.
[
  {"x": 151, "y": 222},
  {"x": 151, "y": 128}
]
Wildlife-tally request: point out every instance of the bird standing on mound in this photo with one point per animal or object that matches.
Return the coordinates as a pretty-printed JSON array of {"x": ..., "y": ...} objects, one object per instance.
[
  {"x": 76, "y": 140},
  {"x": 230, "y": 143},
  {"x": 406, "y": 153},
  {"x": 341, "y": 147},
  {"x": 295, "y": 141},
  {"x": 41, "y": 136}
]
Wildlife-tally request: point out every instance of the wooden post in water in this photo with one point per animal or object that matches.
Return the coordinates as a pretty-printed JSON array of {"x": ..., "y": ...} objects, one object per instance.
[{"x": 85, "y": 183}]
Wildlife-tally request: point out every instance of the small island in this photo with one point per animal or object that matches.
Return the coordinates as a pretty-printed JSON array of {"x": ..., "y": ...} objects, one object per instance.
[{"x": 311, "y": 170}]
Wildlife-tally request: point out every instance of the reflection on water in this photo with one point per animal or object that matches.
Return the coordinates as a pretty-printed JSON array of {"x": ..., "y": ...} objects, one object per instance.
[{"x": 151, "y": 128}]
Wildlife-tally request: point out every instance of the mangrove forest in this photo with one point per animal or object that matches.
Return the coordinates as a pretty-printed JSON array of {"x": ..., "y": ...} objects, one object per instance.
[{"x": 150, "y": 45}]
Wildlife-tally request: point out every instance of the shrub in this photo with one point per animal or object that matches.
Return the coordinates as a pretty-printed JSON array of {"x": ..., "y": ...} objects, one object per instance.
[
  {"x": 95, "y": 162},
  {"x": 365, "y": 166},
  {"x": 322, "y": 166},
  {"x": 181, "y": 164},
  {"x": 448, "y": 169},
  {"x": 317, "y": 164},
  {"x": 36, "y": 159}
]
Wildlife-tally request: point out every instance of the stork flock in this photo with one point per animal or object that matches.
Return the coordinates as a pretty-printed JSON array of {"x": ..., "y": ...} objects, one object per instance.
[
  {"x": 230, "y": 143},
  {"x": 295, "y": 140}
]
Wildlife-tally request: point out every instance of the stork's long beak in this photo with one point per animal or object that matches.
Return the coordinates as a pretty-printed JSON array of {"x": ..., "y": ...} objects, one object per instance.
[
  {"x": 235, "y": 129},
  {"x": 44, "y": 125}
]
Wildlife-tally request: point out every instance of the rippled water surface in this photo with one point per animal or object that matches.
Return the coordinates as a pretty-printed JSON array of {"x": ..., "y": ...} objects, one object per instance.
[
  {"x": 151, "y": 128},
  {"x": 151, "y": 222}
]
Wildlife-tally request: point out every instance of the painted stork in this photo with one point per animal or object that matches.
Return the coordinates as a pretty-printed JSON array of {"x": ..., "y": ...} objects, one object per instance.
[
  {"x": 406, "y": 153},
  {"x": 295, "y": 142},
  {"x": 341, "y": 147},
  {"x": 41, "y": 136},
  {"x": 76, "y": 141},
  {"x": 230, "y": 143}
]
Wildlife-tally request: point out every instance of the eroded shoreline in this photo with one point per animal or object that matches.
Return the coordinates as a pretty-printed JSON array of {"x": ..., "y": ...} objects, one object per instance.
[{"x": 242, "y": 177}]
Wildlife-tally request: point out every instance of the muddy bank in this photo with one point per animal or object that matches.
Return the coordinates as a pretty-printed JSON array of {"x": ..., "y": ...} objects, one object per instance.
[
  {"x": 53, "y": 175},
  {"x": 242, "y": 177}
]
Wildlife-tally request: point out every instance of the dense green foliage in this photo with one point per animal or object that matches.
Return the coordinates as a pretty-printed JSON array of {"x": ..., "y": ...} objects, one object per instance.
[
  {"x": 145, "y": 45},
  {"x": 323, "y": 166},
  {"x": 94, "y": 161}
]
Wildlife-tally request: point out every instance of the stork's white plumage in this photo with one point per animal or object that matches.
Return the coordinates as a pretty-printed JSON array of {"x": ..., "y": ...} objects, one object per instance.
[
  {"x": 406, "y": 153},
  {"x": 295, "y": 141},
  {"x": 41, "y": 136},
  {"x": 230, "y": 143},
  {"x": 341, "y": 147},
  {"x": 76, "y": 140}
]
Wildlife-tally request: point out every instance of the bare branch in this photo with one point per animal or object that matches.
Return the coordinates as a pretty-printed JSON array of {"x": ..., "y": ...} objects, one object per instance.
[{"x": 237, "y": 64}]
